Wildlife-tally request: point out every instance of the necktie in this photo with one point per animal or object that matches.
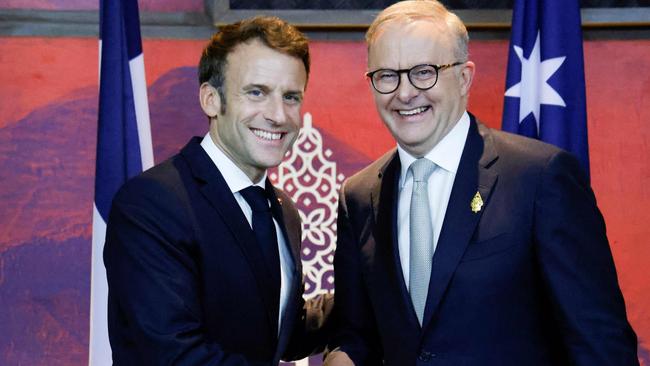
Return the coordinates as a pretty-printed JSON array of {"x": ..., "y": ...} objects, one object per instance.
[
  {"x": 421, "y": 234},
  {"x": 264, "y": 230}
]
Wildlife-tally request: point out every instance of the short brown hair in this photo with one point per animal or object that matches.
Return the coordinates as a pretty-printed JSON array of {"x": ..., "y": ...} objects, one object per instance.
[{"x": 272, "y": 31}]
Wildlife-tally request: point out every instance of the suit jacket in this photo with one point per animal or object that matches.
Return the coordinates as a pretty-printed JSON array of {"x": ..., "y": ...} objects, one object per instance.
[
  {"x": 187, "y": 283},
  {"x": 527, "y": 280}
]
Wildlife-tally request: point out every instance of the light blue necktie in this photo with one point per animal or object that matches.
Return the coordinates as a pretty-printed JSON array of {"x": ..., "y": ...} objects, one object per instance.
[{"x": 421, "y": 234}]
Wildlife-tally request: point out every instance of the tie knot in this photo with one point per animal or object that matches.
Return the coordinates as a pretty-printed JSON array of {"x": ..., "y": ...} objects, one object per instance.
[
  {"x": 256, "y": 198},
  {"x": 422, "y": 169}
]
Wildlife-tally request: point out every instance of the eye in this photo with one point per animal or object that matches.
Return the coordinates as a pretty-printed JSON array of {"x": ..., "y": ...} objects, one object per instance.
[
  {"x": 423, "y": 73},
  {"x": 255, "y": 93},
  {"x": 292, "y": 98},
  {"x": 385, "y": 75}
]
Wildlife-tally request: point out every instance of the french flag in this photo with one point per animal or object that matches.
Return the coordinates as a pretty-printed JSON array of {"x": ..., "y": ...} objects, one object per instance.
[{"x": 124, "y": 146}]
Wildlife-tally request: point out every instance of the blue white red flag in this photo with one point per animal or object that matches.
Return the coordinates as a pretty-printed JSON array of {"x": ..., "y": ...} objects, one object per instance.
[
  {"x": 124, "y": 146},
  {"x": 545, "y": 84}
]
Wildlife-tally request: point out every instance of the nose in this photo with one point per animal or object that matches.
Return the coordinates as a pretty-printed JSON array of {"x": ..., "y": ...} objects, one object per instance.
[
  {"x": 275, "y": 111},
  {"x": 406, "y": 91}
]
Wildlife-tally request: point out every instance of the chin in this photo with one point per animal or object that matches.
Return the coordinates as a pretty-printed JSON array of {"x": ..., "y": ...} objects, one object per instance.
[
  {"x": 268, "y": 162},
  {"x": 411, "y": 137}
]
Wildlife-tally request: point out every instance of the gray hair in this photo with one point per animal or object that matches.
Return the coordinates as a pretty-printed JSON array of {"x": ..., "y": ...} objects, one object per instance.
[{"x": 431, "y": 10}]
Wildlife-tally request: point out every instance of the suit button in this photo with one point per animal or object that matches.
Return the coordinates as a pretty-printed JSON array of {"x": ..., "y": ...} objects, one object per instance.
[{"x": 426, "y": 356}]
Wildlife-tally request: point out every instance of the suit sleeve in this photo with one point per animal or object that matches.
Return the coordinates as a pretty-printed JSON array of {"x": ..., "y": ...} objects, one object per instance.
[
  {"x": 312, "y": 330},
  {"x": 155, "y": 315},
  {"x": 578, "y": 269},
  {"x": 355, "y": 330}
]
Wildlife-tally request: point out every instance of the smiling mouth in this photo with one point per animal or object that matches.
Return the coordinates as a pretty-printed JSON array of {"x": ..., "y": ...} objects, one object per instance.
[
  {"x": 266, "y": 135},
  {"x": 412, "y": 112}
]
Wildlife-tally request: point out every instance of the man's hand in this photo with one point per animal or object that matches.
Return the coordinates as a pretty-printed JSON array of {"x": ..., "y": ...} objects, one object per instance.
[{"x": 337, "y": 358}]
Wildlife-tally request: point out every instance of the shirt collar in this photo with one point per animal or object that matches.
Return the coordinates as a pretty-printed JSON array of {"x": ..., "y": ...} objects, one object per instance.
[
  {"x": 446, "y": 154},
  {"x": 235, "y": 178}
]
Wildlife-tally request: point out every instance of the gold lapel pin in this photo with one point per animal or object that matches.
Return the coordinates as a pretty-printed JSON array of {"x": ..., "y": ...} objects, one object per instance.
[{"x": 477, "y": 203}]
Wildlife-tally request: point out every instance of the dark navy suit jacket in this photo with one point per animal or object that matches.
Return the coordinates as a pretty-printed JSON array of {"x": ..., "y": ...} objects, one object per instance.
[
  {"x": 527, "y": 280},
  {"x": 187, "y": 282}
]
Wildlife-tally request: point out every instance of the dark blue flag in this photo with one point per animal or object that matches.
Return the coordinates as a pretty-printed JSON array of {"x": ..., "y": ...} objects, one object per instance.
[
  {"x": 545, "y": 84},
  {"x": 123, "y": 143}
]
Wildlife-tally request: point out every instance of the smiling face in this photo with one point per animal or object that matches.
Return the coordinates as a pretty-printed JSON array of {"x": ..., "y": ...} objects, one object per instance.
[
  {"x": 419, "y": 119},
  {"x": 264, "y": 91}
]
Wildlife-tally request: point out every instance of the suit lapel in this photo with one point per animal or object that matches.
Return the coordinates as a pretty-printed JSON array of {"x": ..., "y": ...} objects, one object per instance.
[
  {"x": 384, "y": 196},
  {"x": 460, "y": 221},
  {"x": 216, "y": 191},
  {"x": 285, "y": 217},
  {"x": 289, "y": 223}
]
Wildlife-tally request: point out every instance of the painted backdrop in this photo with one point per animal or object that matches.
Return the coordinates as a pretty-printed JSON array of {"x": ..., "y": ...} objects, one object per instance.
[{"x": 48, "y": 109}]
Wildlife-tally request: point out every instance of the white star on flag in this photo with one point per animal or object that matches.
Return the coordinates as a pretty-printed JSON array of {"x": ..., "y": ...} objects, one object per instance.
[{"x": 533, "y": 89}]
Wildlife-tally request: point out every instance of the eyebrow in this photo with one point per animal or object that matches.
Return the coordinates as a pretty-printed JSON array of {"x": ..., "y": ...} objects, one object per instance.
[
  {"x": 295, "y": 92},
  {"x": 262, "y": 87},
  {"x": 267, "y": 89}
]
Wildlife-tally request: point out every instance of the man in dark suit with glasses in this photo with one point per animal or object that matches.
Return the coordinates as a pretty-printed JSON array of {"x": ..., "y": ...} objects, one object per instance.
[{"x": 466, "y": 245}]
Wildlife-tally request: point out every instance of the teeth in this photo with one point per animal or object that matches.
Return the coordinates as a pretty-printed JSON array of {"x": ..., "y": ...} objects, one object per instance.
[
  {"x": 412, "y": 111},
  {"x": 267, "y": 135}
]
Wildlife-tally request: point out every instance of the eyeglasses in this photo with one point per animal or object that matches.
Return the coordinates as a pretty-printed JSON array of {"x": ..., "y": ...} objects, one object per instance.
[{"x": 423, "y": 77}]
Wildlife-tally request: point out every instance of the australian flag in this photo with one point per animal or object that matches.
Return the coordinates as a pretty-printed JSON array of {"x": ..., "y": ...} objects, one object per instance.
[
  {"x": 123, "y": 143},
  {"x": 545, "y": 84}
]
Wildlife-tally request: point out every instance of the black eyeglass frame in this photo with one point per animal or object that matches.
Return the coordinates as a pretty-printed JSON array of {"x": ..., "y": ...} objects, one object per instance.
[{"x": 438, "y": 68}]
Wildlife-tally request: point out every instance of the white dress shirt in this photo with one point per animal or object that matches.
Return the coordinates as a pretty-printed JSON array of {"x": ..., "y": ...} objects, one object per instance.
[
  {"x": 446, "y": 155},
  {"x": 237, "y": 180}
]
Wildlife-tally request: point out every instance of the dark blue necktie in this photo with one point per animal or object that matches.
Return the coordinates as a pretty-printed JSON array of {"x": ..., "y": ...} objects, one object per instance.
[{"x": 265, "y": 233}]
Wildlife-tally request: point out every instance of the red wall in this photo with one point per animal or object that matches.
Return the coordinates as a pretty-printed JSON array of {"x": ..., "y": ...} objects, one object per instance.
[{"x": 37, "y": 72}]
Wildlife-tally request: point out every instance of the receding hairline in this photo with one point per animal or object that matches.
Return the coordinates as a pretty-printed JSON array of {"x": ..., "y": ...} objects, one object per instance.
[{"x": 413, "y": 10}]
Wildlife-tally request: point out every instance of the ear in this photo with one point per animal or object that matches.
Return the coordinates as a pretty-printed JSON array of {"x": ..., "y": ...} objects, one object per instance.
[
  {"x": 209, "y": 99},
  {"x": 466, "y": 76}
]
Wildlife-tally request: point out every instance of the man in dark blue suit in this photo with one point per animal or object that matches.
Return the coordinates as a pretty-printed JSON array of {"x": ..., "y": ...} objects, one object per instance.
[
  {"x": 202, "y": 253},
  {"x": 466, "y": 245}
]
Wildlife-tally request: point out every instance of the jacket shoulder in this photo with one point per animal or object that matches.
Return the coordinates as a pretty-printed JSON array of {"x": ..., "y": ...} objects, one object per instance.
[
  {"x": 158, "y": 183},
  {"x": 516, "y": 150},
  {"x": 369, "y": 175},
  {"x": 521, "y": 157}
]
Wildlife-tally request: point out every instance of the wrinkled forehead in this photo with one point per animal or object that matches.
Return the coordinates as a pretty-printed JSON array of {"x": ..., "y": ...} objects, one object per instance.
[
  {"x": 405, "y": 41},
  {"x": 420, "y": 26},
  {"x": 255, "y": 63}
]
